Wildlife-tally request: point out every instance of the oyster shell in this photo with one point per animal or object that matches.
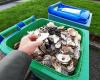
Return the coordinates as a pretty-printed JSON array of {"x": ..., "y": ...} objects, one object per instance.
[
  {"x": 57, "y": 66},
  {"x": 61, "y": 27},
  {"x": 63, "y": 37},
  {"x": 58, "y": 44},
  {"x": 64, "y": 70},
  {"x": 55, "y": 38},
  {"x": 47, "y": 60},
  {"x": 72, "y": 31},
  {"x": 43, "y": 36},
  {"x": 50, "y": 24},
  {"x": 67, "y": 49},
  {"x": 64, "y": 42},
  {"x": 78, "y": 36},
  {"x": 71, "y": 67},
  {"x": 30, "y": 32},
  {"x": 64, "y": 59}
]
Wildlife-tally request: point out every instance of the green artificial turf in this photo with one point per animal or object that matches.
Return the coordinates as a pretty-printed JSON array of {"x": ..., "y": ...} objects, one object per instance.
[{"x": 39, "y": 8}]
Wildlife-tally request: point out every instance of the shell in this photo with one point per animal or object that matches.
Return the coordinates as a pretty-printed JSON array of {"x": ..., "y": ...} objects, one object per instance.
[
  {"x": 78, "y": 37},
  {"x": 71, "y": 67},
  {"x": 64, "y": 70},
  {"x": 55, "y": 38},
  {"x": 43, "y": 48},
  {"x": 37, "y": 32},
  {"x": 47, "y": 60},
  {"x": 47, "y": 57},
  {"x": 57, "y": 66},
  {"x": 50, "y": 24},
  {"x": 46, "y": 40},
  {"x": 72, "y": 31},
  {"x": 43, "y": 36},
  {"x": 63, "y": 58},
  {"x": 63, "y": 37},
  {"x": 64, "y": 33},
  {"x": 52, "y": 47},
  {"x": 30, "y": 32},
  {"x": 58, "y": 44},
  {"x": 67, "y": 49},
  {"x": 61, "y": 27},
  {"x": 70, "y": 42},
  {"x": 64, "y": 42}
]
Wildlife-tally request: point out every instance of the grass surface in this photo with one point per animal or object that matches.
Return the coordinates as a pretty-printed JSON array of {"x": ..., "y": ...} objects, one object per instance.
[{"x": 39, "y": 8}]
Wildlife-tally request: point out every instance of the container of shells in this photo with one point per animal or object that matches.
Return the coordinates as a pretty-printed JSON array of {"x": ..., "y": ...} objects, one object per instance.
[
  {"x": 60, "y": 49},
  {"x": 61, "y": 54}
]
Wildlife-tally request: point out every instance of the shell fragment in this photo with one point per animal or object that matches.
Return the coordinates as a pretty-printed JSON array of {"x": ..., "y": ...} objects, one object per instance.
[
  {"x": 55, "y": 38},
  {"x": 43, "y": 36},
  {"x": 58, "y": 45},
  {"x": 63, "y": 58},
  {"x": 50, "y": 24}
]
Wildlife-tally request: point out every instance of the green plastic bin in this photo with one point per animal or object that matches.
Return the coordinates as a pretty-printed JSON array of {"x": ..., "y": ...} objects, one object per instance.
[{"x": 44, "y": 72}]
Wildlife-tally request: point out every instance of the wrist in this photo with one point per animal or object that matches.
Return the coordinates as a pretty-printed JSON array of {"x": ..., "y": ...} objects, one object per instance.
[{"x": 25, "y": 51}]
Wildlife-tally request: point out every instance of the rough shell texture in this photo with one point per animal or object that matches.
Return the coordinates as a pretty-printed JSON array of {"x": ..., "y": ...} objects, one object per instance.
[
  {"x": 64, "y": 59},
  {"x": 60, "y": 49},
  {"x": 50, "y": 24},
  {"x": 58, "y": 44}
]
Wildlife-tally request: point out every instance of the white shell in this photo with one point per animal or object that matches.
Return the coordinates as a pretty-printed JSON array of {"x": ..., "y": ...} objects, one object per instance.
[
  {"x": 63, "y": 37},
  {"x": 47, "y": 57},
  {"x": 61, "y": 56},
  {"x": 30, "y": 32},
  {"x": 46, "y": 40},
  {"x": 72, "y": 31},
  {"x": 70, "y": 42},
  {"x": 58, "y": 69},
  {"x": 43, "y": 36},
  {"x": 61, "y": 27},
  {"x": 37, "y": 32},
  {"x": 50, "y": 24},
  {"x": 58, "y": 45},
  {"x": 71, "y": 67},
  {"x": 55, "y": 38},
  {"x": 47, "y": 60},
  {"x": 64, "y": 33},
  {"x": 78, "y": 36},
  {"x": 64, "y": 42},
  {"x": 57, "y": 66}
]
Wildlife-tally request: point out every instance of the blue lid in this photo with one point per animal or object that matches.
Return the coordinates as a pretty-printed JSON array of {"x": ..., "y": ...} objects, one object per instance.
[{"x": 69, "y": 12}]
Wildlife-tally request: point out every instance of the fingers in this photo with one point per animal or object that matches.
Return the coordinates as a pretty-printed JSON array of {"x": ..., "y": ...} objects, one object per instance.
[
  {"x": 37, "y": 43},
  {"x": 32, "y": 37}
]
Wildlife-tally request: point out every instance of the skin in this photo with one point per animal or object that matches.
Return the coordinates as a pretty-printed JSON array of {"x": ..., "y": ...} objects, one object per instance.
[{"x": 29, "y": 43}]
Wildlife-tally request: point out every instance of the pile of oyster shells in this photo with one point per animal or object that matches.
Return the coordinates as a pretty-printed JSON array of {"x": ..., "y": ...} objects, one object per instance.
[{"x": 60, "y": 49}]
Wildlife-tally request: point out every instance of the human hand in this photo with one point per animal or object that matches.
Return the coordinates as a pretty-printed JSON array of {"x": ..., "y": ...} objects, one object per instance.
[{"x": 29, "y": 43}]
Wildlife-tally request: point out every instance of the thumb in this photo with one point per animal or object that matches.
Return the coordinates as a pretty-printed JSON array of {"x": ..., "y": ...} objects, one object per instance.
[{"x": 32, "y": 37}]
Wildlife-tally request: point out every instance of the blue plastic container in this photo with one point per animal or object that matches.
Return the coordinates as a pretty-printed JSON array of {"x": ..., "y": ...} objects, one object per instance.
[{"x": 69, "y": 15}]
